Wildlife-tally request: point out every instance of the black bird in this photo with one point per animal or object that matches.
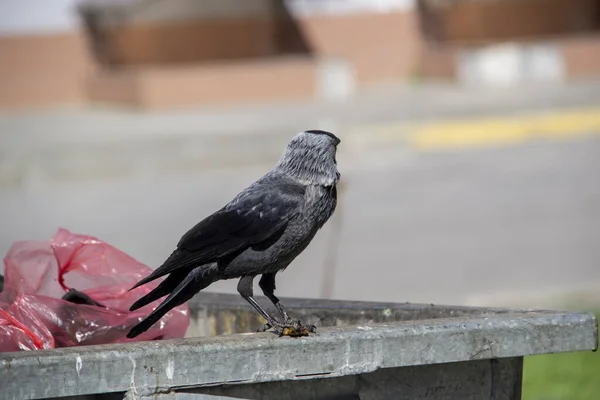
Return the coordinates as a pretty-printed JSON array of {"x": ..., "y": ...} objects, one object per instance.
[{"x": 260, "y": 232}]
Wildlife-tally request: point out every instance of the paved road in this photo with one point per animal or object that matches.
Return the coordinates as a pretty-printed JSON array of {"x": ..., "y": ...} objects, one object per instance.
[
  {"x": 424, "y": 217},
  {"x": 442, "y": 227}
]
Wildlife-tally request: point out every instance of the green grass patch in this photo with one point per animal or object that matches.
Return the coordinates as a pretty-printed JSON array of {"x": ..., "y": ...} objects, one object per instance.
[{"x": 568, "y": 376}]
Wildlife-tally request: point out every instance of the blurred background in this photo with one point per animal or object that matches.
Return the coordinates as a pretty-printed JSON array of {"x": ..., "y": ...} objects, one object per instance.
[
  {"x": 469, "y": 159},
  {"x": 470, "y": 153}
]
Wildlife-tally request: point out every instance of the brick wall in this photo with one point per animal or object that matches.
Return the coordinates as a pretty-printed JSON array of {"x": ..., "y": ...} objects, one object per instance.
[
  {"x": 582, "y": 56},
  {"x": 255, "y": 58},
  {"x": 495, "y": 20},
  {"x": 266, "y": 55},
  {"x": 37, "y": 70},
  {"x": 214, "y": 83},
  {"x": 381, "y": 46}
]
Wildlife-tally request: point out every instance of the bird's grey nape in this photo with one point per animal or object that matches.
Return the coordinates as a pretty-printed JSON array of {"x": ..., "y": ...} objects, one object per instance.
[
  {"x": 310, "y": 158},
  {"x": 320, "y": 132}
]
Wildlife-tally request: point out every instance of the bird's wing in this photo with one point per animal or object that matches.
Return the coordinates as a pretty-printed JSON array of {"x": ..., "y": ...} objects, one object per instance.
[{"x": 252, "y": 217}]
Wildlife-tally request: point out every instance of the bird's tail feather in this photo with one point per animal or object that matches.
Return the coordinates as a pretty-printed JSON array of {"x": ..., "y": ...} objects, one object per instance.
[
  {"x": 178, "y": 259},
  {"x": 195, "y": 281},
  {"x": 163, "y": 289}
]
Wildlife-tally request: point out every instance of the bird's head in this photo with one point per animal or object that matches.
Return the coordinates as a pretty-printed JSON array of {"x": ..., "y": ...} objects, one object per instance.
[{"x": 310, "y": 158}]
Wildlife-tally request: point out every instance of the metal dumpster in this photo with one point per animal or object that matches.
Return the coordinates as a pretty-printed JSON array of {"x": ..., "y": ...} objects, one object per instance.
[{"x": 362, "y": 350}]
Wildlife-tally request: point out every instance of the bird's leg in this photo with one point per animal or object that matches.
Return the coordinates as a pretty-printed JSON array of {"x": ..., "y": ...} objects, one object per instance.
[
  {"x": 245, "y": 290},
  {"x": 270, "y": 320},
  {"x": 267, "y": 284},
  {"x": 287, "y": 329}
]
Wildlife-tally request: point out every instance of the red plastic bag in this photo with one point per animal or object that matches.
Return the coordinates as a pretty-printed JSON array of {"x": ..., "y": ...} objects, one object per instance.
[
  {"x": 23, "y": 332},
  {"x": 38, "y": 274}
]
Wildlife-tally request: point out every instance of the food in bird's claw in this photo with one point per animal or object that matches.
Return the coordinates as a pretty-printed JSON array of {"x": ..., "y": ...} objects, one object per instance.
[
  {"x": 260, "y": 232},
  {"x": 293, "y": 332},
  {"x": 293, "y": 329}
]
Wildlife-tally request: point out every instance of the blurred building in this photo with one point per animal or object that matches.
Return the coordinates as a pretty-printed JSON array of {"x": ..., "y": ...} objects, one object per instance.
[
  {"x": 163, "y": 53},
  {"x": 43, "y": 54}
]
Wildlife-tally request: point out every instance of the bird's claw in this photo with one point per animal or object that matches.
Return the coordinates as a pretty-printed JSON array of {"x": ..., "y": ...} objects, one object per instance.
[{"x": 292, "y": 328}]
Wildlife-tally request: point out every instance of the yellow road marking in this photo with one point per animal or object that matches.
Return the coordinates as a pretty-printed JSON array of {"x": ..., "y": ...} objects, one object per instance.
[{"x": 488, "y": 131}]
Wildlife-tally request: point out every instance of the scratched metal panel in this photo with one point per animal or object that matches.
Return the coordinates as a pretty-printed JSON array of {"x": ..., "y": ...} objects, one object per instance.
[
  {"x": 161, "y": 366},
  {"x": 218, "y": 313},
  {"x": 497, "y": 379}
]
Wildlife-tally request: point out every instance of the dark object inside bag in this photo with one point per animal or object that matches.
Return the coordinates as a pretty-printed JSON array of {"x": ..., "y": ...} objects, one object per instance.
[{"x": 77, "y": 297}]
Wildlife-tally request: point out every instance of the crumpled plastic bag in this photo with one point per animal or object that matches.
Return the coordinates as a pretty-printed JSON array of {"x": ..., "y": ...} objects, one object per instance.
[{"x": 72, "y": 290}]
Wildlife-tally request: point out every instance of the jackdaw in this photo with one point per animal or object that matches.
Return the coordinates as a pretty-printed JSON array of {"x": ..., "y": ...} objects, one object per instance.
[{"x": 260, "y": 232}]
